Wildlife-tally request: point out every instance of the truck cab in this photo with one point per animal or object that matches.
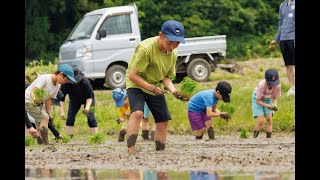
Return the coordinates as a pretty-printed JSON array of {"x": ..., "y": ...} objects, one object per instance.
[{"x": 102, "y": 43}]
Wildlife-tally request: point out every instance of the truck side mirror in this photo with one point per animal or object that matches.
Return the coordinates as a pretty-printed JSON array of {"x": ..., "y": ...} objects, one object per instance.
[{"x": 101, "y": 33}]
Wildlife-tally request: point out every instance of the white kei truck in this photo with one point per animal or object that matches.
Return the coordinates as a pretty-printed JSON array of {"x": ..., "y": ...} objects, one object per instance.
[{"x": 102, "y": 42}]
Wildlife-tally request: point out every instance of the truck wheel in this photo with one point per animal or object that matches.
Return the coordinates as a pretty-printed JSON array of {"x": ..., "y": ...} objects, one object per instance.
[
  {"x": 116, "y": 77},
  {"x": 199, "y": 70}
]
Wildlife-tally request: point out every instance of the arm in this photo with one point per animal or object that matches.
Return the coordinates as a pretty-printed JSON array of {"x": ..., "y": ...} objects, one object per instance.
[
  {"x": 135, "y": 78},
  {"x": 62, "y": 114},
  {"x": 88, "y": 105},
  {"x": 213, "y": 112},
  {"x": 168, "y": 84},
  {"x": 275, "y": 101},
  {"x": 47, "y": 105},
  {"x": 258, "y": 101},
  {"x": 31, "y": 129}
]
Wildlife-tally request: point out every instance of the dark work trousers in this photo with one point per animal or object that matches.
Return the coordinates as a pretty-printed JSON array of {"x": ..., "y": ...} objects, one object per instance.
[
  {"x": 73, "y": 110},
  {"x": 52, "y": 128}
]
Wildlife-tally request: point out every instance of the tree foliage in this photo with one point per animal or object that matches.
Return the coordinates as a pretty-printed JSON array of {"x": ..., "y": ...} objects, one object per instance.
[{"x": 248, "y": 24}]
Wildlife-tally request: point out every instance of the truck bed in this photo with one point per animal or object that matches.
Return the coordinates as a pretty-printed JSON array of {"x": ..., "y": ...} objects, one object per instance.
[{"x": 206, "y": 44}]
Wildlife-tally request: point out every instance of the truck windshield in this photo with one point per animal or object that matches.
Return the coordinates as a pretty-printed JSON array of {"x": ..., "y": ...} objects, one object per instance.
[{"x": 84, "y": 27}]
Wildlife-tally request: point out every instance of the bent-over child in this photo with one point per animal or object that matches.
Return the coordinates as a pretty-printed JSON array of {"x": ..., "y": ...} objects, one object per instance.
[
  {"x": 203, "y": 106},
  {"x": 265, "y": 100}
]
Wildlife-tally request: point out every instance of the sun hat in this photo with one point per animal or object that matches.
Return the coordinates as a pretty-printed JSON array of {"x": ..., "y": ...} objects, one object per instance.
[
  {"x": 173, "y": 30},
  {"x": 272, "y": 77},
  {"x": 67, "y": 70},
  {"x": 225, "y": 90},
  {"x": 119, "y": 96}
]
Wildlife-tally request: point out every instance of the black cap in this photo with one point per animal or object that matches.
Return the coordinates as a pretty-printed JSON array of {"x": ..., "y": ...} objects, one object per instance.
[
  {"x": 78, "y": 75},
  {"x": 272, "y": 77},
  {"x": 225, "y": 90}
]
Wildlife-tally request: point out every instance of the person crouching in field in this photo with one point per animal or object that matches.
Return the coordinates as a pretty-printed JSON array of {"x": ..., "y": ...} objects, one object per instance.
[
  {"x": 203, "y": 106},
  {"x": 122, "y": 103},
  {"x": 80, "y": 94},
  {"x": 264, "y": 101},
  {"x": 39, "y": 94}
]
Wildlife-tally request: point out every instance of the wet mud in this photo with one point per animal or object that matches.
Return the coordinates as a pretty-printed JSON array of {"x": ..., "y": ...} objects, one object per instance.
[{"x": 182, "y": 153}]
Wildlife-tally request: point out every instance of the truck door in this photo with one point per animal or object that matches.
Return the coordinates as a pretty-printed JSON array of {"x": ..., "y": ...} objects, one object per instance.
[{"x": 119, "y": 43}]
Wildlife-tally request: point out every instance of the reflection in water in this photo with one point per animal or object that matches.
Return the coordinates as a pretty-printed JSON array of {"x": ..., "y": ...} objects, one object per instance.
[{"x": 132, "y": 174}]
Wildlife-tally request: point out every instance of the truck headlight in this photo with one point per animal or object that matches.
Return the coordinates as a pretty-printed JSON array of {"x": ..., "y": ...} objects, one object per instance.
[{"x": 84, "y": 51}]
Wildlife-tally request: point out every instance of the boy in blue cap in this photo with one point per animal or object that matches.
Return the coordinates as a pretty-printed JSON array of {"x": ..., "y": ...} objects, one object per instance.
[
  {"x": 122, "y": 103},
  {"x": 265, "y": 99},
  {"x": 150, "y": 70},
  {"x": 39, "y": 109}
]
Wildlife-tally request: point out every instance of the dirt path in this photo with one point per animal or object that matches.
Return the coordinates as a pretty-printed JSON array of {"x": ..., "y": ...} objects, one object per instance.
[{"x": 182, "y": 152}]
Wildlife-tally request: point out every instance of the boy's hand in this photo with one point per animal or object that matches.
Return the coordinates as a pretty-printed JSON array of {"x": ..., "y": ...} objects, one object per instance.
[
  {"x": 274, "y": 108},
  {"x": 225, "y": 116},
  {"x": 85, "y": 111},
  {"x": 181, "y": 96},
  {"x": 118, "y": 120}
]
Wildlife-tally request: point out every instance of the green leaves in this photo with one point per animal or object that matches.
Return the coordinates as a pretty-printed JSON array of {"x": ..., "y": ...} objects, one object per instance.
[
  {"x": 188, "y": 85},
  {"x": 41, "y": 95}
]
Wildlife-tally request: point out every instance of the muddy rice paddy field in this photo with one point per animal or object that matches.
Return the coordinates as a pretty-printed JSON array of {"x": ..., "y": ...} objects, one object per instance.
[{"x": 182, "y": 153}]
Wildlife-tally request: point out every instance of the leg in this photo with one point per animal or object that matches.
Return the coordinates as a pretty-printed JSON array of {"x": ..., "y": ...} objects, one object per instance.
[
  {"x": 161, "y": 135},
  {"x": 54, "y": 131},
  {"x": 269, "y": 125},
  {"x": 288, "y": 53},
  {"x": 92, "y": 123},
  {"x": 291, "y": 75},
  {"x": 210, "y": 129},
  {"x": 44, "y": 131},
  {"x": 72, "y": 112},
  {"x": 200, "y": 133},
  {"x": 258, "y": 126},
  {"x": 133, "y": 129},
  {"x": 153, "y": 132},
  {"x": 122, "y": 134},
  {"x": 145, "y": 128}
]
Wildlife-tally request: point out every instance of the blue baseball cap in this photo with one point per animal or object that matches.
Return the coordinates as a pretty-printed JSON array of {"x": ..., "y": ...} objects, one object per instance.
[
  {"x": 272, "y": 77},
  {"x": 119, "y": 96},
  {"x": 67, "y": 70},
  {"x": 173, "y": 30}
]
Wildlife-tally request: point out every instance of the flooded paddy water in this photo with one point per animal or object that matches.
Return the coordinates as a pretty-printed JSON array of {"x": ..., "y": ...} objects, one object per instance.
[{"x": 227, "y": 157}]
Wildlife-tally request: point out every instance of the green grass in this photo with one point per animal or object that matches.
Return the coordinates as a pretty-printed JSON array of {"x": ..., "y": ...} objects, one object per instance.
[{"x": 243, "y": 81}]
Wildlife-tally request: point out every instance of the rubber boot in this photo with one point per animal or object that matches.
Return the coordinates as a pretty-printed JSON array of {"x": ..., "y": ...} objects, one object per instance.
[
  {"x": 145, "y": 134},
  {"x": 255, "y": 134},
  {"x": 269, "y": 134},
  {"x": 152, "y": 135},
  {"x": 211, "y": 133},
  {"x": 39, "y": 140},
  {"x": 199, "y": 137},
  {"x": 93, "y": 130},
  {"x": 121, "y": 135},
  {"x": 69, "y": 131},
  {"x": 44, "y": 135},
  {"x": 160, "y": 146}
]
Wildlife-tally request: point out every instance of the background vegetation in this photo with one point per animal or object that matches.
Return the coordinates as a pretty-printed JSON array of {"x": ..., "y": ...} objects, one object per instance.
[
  {"x": 249, "y": 25},
  {"x": 243, "y": 81}
]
